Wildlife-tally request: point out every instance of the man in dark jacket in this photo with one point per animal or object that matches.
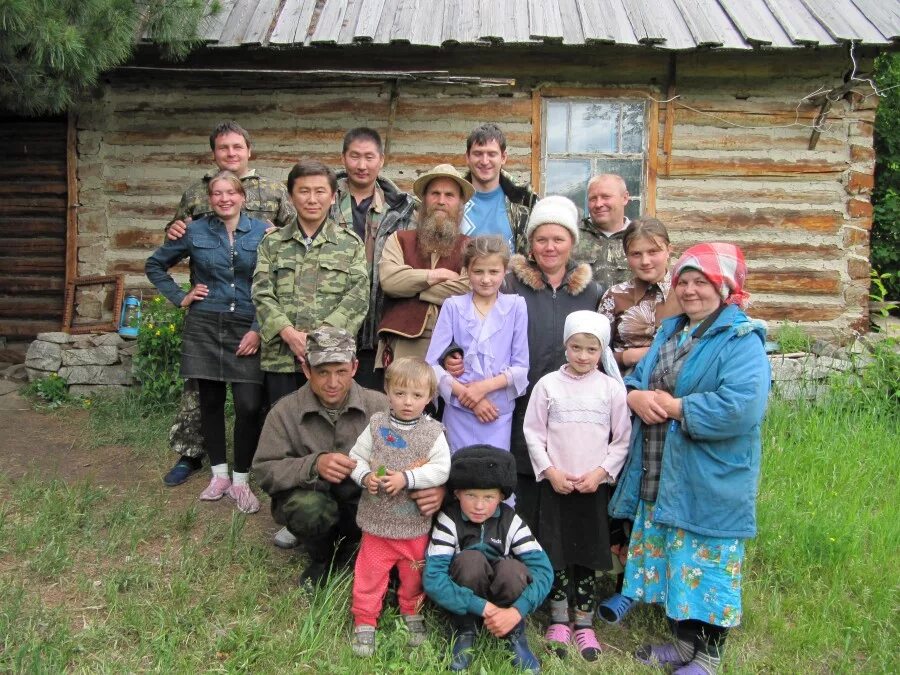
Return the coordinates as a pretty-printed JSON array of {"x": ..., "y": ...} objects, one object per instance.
[
  {"x": 499, "y": 206},
  {"x": 374, "y": 208}
]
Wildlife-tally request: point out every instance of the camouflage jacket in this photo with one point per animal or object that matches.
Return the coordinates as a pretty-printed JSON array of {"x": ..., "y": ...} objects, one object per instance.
[
  {"x": 292, "y": 286},
  {"x": 266, "y": 200},
  {"x": 605, "y": 255},
  {"x": 391, "y": 211},
  {"x": 519, "y": 201}
]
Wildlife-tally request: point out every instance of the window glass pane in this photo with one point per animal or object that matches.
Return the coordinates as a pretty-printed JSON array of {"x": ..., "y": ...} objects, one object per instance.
[
  {"x": 595, "y": 127},
  {"x": 556, "y": 126},
  {"x": 633, "y": 127},
  {"x": 631, "y": 171},
  {"x": 633, "y": 209},
  {"x": 569, "y": 178}
]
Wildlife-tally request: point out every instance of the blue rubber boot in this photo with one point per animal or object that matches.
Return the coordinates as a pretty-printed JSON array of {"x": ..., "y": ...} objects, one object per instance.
[
  {"x": 523, "y": 657},
  {"x": 463, "y": 641}
]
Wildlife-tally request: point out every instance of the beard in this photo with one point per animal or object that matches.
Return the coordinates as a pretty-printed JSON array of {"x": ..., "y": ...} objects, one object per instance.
[{"x": 437, "y": 233}]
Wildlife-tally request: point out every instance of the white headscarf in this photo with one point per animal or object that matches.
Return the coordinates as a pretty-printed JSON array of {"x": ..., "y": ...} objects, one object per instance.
[{"x": 594, "y": 323}]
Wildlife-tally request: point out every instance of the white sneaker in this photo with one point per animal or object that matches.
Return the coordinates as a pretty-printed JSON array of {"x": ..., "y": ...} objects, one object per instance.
[{"x": 284, "y": 538}]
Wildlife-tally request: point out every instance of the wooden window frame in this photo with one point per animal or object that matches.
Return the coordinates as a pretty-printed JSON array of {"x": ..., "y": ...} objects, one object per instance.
[
  {"x": 118, "y": 280},
  {"x": 652, "y": 143}
]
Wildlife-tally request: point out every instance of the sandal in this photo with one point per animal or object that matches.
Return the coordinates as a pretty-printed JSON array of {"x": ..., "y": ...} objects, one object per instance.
[
  {"x": 614, "y": 608},
  {"x": 586, "y": 641},
  {"x": 691, "y": 668},
  {"x": 559, "y": 635},
  {"x": 659, "y": 656}
]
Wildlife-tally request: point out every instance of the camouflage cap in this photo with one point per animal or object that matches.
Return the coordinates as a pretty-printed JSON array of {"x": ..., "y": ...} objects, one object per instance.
[{"x": 330, "y": 345}]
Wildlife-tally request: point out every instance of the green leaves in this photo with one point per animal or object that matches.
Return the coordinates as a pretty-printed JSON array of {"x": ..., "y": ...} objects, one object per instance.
[
  {"x": 886, "y": 196},
  {"x": 158, "y": 359},
  {"x": 53, "y": 50}
]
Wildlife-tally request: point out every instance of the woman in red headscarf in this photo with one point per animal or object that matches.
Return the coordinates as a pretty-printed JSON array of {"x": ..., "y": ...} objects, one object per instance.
[{"x": 691, "y": 477}]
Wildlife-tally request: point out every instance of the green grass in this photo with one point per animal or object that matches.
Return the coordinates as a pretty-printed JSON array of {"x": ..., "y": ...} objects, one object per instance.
[{"x": 96, "y": 579}]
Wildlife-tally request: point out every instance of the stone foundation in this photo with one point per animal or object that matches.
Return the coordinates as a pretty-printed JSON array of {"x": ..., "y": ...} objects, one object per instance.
[{"x": 91, "y": 364}]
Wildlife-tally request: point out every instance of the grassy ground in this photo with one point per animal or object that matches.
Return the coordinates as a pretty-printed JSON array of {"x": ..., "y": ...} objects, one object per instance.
[{"x": 134, "y": 576}]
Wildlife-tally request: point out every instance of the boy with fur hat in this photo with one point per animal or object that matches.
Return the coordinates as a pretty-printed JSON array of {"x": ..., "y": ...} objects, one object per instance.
[{"x": 483, "y": 563}]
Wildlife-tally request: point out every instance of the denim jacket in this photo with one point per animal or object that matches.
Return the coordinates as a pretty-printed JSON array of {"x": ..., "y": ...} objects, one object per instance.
[
  {"x": 711, "y": 458},
  {"x": 228, "y": 276}
]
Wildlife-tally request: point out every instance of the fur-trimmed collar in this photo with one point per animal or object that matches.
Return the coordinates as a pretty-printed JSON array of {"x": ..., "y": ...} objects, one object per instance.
[{"x": 577, "y": 278}]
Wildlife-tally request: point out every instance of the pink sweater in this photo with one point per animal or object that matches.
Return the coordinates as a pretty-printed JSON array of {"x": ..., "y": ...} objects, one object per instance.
[{"x": 569, "y": 420}]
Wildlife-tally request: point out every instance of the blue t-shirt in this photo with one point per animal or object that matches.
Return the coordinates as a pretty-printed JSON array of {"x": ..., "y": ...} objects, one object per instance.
[{"x": 486, "y": 214}]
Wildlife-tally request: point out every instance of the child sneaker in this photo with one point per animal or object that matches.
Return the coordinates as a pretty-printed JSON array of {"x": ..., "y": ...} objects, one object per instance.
[
  {"x": 415, "y": 623},
  {"x": 363, "y": 641},
  {"x": 216, "y": 489},
  {"x": 244, "y": 498}
]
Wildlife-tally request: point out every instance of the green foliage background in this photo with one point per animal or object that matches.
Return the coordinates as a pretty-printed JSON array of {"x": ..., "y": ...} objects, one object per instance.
[
  {"x": 158, "y": 359},
  {"x": 886, "y": 198},
  {"x": 51, "y": 50}
]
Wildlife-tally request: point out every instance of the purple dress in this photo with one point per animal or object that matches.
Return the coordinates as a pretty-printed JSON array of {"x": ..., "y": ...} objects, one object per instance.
[{"x": 491, "y": 346}]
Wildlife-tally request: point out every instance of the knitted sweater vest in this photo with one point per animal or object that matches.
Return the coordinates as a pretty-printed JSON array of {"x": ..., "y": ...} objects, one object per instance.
[{"x": 396, "y": 516}]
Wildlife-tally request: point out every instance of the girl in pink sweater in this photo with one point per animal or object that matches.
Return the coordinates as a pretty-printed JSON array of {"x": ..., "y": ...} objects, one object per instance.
[{"x": 577, "y": 428}]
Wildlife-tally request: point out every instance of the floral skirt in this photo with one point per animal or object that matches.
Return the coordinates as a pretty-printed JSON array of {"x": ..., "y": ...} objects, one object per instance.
[{"x": 692, "y": 575}]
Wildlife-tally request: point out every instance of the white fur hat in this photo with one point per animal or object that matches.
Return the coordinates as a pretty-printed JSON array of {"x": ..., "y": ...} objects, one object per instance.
[{"x": 556, "y": 210}]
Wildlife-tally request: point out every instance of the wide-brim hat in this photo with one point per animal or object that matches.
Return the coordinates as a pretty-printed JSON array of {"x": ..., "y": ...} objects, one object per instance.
[{"x": 443, "y": 171}]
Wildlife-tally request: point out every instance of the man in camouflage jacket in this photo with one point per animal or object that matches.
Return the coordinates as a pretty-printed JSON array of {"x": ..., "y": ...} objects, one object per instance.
[
  {"x": 601, "y": 233},
  {"x": 308, "y": 274},
  {"x": 266, "y": 200},
  {"x": 374, "y": 208}
]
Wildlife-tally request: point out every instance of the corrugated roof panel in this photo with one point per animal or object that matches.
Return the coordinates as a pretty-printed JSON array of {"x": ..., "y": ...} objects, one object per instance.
[
  {"x": 293, "y": 22},
  {"x": 238, "y": 21},
  {"x": 800, "y": 26},
  {"x": 544, "y": 21},
  {"x": 212, "y": 30},
  {"x": 699, "y": 16},
  {"x": 843, "y": 21},
  {"x": 328, "y": 28},
  {"x": 367, "y": 20},
  {"x": 756, "y": 23},
  {"x": 571, "y": 22},
  {"x": 261, "y": 22},
  {"x": 665, "y": 24},
  {"x": 596, "y": 24},
  {"x": 884, "y": 14}
]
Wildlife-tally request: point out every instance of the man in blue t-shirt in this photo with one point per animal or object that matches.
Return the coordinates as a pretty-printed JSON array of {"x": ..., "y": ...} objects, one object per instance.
[{"x": 499, "y": 205}]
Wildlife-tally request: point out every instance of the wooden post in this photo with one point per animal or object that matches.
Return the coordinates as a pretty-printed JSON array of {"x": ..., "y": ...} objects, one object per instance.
[
  {"x": 536, "y": 140},
  {"x": 71, "y": 199}
]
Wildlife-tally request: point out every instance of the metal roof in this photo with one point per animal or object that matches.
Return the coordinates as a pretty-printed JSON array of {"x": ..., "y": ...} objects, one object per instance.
[{"x": 666, "y": 24}]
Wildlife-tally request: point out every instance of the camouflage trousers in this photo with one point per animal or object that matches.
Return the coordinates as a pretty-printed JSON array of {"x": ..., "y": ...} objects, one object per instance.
[
  {"x": 319, "y": 518},
  {"x": 185, "y": 437}
]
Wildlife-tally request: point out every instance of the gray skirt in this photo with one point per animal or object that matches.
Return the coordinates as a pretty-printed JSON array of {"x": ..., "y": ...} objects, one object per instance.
[{"x": 208, "y": 344}]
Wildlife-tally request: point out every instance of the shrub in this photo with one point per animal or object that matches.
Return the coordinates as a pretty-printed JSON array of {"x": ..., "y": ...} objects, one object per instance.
[
  {"x": 886, "y": 196},
  {"x": 51, "y": 391},
  {"x": 792, "y": 338},
  {"x": 158, "y": 358}
]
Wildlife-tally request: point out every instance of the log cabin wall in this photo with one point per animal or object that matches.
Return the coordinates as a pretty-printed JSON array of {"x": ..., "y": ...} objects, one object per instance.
[
  {"x": 33, "y": 206},
  {"x": 730, "y": 159}
]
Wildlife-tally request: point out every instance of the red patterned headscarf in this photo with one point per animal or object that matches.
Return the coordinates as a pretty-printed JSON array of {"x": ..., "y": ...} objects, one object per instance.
[{"x": 723, "y": 264}]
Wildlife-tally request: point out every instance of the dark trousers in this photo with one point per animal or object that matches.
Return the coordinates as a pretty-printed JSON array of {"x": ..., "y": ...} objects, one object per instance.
[
  {"x": 279, "y": 385},
  {"x": 248, "y": 399},
  {"x": 366, "y": 374},
  {"x": 320, "y": 518},
  {"x": 500, "y": 582}
]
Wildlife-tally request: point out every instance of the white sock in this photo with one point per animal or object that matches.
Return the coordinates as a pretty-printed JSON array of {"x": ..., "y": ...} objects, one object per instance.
[
  {"x": 220, "y": 471},
  {"x": 240, "y": 478}
]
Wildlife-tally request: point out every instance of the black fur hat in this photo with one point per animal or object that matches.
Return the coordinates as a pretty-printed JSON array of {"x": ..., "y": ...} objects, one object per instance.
[{"x": 483, "y": 467}]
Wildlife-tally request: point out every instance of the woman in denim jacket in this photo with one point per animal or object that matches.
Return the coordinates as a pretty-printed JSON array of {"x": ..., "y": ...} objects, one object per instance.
[
  {"x": 220, "y": 340},
  {"x": 691, "y": 478}
]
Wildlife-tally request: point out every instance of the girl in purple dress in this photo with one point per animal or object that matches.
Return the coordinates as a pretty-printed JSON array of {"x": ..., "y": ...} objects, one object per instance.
[{"x": 491, "y": 331}]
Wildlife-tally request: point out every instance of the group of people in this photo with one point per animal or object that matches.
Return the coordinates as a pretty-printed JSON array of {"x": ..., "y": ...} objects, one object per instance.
[{"x": 598, "y": 411}]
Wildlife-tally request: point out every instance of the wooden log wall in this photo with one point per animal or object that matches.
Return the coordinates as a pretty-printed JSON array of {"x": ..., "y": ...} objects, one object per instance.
[
  {"x": 33, "y": 193},
  {"x": 732, "y": 161}
]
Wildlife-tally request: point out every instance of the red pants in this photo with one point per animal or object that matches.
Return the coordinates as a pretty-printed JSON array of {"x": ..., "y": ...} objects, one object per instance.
[{"x": 373, "y": 567}]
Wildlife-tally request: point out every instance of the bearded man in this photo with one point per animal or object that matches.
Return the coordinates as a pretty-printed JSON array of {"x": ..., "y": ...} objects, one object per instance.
[{"x": 420, "y": 268}]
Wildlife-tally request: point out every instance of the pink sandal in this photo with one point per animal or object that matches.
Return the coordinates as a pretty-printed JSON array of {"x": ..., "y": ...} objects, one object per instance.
[
  {"x": 587, "y": 643},
  {"x": 559, "y": 635}
]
